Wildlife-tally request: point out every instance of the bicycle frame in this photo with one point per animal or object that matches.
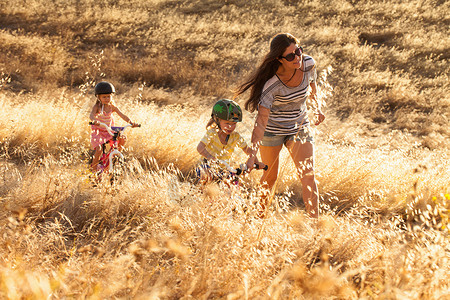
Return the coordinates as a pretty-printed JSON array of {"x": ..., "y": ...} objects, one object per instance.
[
  {"x": 105, "y": 163},
  {"x": 229, "y": 173},
  {"x": 106, "y": 160},
  {"x": 235, "y": 184}
]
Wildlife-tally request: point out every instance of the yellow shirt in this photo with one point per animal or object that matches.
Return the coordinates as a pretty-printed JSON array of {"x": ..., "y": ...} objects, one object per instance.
[{"x": 219, "y": 150}]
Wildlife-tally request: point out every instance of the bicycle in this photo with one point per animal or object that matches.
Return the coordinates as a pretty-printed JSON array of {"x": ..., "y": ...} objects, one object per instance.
[
  {"x": 112, "y": 158},
  {"x": 220, "y": 172},
  {"x": 242, "y": 167}
]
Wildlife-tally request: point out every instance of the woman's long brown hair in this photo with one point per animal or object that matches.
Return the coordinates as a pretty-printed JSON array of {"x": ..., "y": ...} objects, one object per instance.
[{"x": 266, "y": 70}]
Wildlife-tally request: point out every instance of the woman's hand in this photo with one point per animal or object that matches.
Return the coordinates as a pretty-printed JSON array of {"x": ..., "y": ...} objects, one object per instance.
[
  {"x": 320, "y": 118},
  {"x": 251, "y": 162}
]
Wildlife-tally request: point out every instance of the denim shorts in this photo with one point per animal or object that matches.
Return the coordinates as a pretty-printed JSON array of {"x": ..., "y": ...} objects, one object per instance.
[{"x": 303, "y": 135}]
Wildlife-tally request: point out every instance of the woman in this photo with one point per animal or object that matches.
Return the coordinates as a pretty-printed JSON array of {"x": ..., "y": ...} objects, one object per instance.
[{"x": 279, "y": 89}]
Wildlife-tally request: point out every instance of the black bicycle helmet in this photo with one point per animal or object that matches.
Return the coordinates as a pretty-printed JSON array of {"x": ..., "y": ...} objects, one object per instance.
[
  {"x": 227, "y": 110},
  {"x": 104, "y": 87}
]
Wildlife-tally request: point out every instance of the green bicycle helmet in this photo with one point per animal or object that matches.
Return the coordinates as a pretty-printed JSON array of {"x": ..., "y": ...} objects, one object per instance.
[
  {"x": 226, "y": 110},
  {"x": 104, "y": 87}
]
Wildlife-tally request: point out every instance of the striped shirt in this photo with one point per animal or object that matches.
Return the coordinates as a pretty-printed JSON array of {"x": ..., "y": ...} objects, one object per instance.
[
  {"x": 288, "y": 111},
  {"x": 220, "y": 151}
]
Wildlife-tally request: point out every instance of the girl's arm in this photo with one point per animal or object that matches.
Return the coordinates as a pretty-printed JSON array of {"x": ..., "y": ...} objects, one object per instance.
[
  {"x": 201, "y": 148},
  {"x": 122, "y": 115},
  {"x": 94, "y": 111},
  {"x": 258, "y": 133}
]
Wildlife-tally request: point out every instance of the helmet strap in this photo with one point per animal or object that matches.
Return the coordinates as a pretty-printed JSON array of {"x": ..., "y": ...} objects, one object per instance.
[{"x": 216, "y": 120}]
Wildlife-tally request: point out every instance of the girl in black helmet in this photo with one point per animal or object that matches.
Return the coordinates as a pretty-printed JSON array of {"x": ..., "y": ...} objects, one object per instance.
[
  {"x": 221, "y": 139},
  {"x": 102, "y": 112}
]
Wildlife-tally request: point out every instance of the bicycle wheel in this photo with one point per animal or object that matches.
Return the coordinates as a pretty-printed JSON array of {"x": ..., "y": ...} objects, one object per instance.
[{"x": 118, "y": 169}]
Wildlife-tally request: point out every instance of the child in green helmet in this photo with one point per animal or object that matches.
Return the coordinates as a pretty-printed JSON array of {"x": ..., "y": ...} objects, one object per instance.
[{"x": 220, "y": 140}]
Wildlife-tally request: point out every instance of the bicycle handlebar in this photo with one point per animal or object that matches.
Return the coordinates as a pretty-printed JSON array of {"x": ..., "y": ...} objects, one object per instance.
[
  {"x": 257, "y": 166},
  {"x": 110, "y": 130},
  {"x": 243, "y": 167}
]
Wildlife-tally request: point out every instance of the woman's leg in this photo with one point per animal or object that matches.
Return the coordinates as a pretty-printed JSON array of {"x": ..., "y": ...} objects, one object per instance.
[
  {"x": 270, "y": 157},
  {"x": 302, "y": 154}
]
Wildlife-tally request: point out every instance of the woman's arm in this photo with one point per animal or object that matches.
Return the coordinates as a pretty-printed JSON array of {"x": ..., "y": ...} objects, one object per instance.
[
  {"x": 258, "y": 133},
  {"x": 260, "y": 126},
  {"x": 313, "y": 97},
  {"x": 201, "y": 148},
  {"x": 248, "y": 150}
]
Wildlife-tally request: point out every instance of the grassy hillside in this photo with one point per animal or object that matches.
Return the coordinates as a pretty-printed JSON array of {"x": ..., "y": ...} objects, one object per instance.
[
  {"x": 382, "y": 154},
  {"x": 389, "y": 59}
]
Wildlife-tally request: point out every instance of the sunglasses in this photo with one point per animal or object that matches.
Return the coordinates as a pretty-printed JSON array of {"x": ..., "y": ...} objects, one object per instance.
[{"x": 291, "y": 56}]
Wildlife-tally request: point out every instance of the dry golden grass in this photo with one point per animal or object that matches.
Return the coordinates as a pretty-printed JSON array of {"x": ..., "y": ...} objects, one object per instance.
[
  {"x": 382, "y": 155},
  {"x": 385, "y": 222}
]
